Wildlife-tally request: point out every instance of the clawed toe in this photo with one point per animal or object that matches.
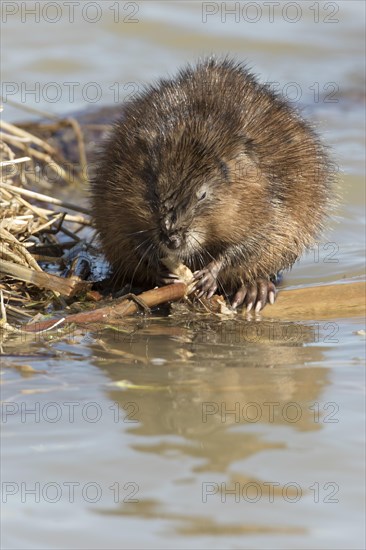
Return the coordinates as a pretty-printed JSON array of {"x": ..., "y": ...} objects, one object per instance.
[
  {"x": 206, "y": 284},
  {"x": 255, "y": 296}
]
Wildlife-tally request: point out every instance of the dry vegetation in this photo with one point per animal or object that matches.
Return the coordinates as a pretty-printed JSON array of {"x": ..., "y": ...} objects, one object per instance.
[{"x": 39, "y": 233}]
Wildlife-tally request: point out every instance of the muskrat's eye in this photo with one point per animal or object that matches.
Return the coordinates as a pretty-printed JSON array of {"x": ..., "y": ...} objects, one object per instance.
[{"x": 203, "y": 196}]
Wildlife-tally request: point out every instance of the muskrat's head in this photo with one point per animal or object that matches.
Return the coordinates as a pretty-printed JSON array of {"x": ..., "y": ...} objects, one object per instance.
[
  {"x": 184, "y": 205},
  {"x": 195, "y": 190}
]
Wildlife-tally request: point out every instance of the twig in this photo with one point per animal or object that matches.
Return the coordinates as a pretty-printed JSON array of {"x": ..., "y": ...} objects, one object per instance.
[
  {"x": 45, "y": 198},
  {"x": 118, "y": 309},
  {"x": 14, "y": 161},
  {"x": 24, "y": 134},
  {"x": 80, "y": 139},
  {"x": 33, "y": 110},
  {"x": 66, "y": 287},
  {"x": 13, "y": 139},
  {"x": 27, "y": 256}
]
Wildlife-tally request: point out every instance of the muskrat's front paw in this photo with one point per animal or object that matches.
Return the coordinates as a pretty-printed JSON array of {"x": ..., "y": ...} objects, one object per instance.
[
  {"x": 206, "y": 280},
  {"x": 255, "y": 295},
  {"x": 167, "y": 278},
  {"x": 206, "y": 283}
]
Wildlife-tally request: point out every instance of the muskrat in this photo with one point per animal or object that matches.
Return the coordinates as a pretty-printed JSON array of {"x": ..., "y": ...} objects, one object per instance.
[{"x": 218, "y": 171}]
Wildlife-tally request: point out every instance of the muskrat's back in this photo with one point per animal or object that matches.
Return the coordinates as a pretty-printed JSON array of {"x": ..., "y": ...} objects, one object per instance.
[{"x": 216, "y": 170}]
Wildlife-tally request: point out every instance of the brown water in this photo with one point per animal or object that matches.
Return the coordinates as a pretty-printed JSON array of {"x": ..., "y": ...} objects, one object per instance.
[{"x": 182, "y": 432}]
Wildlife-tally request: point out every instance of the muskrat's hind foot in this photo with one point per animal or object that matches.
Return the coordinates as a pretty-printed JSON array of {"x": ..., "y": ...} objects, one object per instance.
[{"x": 255, "y": 295}]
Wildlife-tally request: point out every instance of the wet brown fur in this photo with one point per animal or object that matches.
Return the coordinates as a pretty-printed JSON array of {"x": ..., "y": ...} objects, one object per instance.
[{"x": 212, "y": 129}]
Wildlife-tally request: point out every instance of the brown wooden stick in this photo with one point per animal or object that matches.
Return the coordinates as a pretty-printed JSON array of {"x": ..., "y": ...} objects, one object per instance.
[{"x": 118, "y": 308}]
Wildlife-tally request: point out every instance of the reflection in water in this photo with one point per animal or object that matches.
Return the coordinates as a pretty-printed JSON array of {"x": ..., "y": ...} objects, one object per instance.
[
  {"x": 205, "y": 392},
  {"x": 193, "y": 525}
]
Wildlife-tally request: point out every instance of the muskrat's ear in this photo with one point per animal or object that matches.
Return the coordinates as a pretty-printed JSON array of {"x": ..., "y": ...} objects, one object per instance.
[
  {"x": 249, "y": 145},
  {"x": 140, "y": 143},
  {"x": 246, "y": 144},
  {"x": 149, "y": 176},
  {"x": 224, "y": 169}
]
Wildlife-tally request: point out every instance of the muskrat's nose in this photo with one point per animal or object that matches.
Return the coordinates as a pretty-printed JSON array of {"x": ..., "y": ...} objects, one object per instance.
[
  {"x": 174, "y": 241},
  {"x": 171, "y": 239}
]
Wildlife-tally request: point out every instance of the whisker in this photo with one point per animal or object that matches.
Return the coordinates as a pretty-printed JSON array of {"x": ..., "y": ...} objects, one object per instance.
[
  {"x": 139, "y": 232},
  {"x": 141, "y": 244},
  {"x": 141, "y": 260}
]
